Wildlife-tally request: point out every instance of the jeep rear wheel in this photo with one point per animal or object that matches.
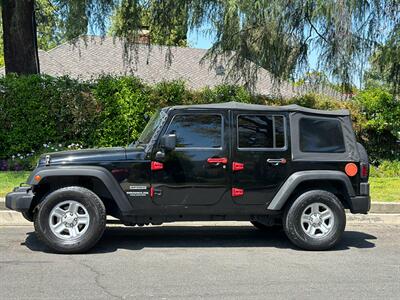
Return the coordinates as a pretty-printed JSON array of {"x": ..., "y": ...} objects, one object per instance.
[
  {"x": 315, "y": 220},
  {"x": 70, "y": 220}
]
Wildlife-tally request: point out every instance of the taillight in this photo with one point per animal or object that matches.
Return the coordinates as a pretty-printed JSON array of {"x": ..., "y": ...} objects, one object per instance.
[{"x": 364, "y": 170}]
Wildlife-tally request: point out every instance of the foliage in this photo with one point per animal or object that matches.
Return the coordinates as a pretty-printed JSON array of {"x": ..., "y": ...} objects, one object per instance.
[
  {"x": 382, "y": 128},
  {"x": 112, "y": 111},
  {"x": 277, "y": 35},
  {"x": 28, "y": 161},
  {"x": 385, "y": 65},
  {"x": 50, "y": 26},
  {"x": 225, "y": 93},
  {"x": 168, "y": 93},
  {"x": 386, "y": 169},
  {"x": 149, "y": 16},
  {"x": 37, "y": 109},
  {"x": 123, "y": 108}
]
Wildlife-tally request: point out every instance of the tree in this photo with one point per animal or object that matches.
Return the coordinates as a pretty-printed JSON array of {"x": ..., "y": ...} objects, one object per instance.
[
  {"x": 50, "y": 28},
  {"x": 149, "y": 15},
  {"x": 385, "y": 65},
  {"x": 274, "y": 34},
  {"x": 19, "y": 37}
]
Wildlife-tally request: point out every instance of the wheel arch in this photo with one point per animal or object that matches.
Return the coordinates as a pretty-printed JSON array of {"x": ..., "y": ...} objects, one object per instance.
[
  {"x": 97, "y": 179},
  {"x": 335, "y": 182}
]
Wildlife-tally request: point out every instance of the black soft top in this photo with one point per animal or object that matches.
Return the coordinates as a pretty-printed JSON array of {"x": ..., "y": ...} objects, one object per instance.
[{"x": 244, "y": 106}]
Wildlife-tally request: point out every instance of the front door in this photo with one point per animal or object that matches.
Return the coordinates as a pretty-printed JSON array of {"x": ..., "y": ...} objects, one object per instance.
[
  {"x": 260, "y": 156},
  {"x": 195, "y": 172}
]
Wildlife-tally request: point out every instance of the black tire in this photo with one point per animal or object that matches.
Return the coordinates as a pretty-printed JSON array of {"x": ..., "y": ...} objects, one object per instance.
[
  {"x": 293, "y": 226},
  {"x": 265, "y": 227},
  {"x": 95, "y": 209}
]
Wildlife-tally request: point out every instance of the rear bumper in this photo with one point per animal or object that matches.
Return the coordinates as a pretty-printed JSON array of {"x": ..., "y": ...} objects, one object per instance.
[
  {"x": 20, "y": 199},
  {"x": 361, "y": 204}
]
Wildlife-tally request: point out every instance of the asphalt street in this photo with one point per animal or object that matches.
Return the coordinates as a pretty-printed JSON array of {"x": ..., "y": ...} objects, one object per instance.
[{"x": 214, "y": 262}]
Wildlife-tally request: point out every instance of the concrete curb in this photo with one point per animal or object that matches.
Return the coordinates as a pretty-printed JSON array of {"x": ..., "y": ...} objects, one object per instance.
[
  {"x": 376, "y": 207},
  {"x": 385, "y": 207}
]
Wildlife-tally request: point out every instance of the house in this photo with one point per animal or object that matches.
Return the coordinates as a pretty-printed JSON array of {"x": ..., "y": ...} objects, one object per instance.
[{"x": 92, "y": 56}]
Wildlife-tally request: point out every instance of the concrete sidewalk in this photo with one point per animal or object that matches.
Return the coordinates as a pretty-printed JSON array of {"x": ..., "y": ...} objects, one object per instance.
[{"x": 376, "y": 207}]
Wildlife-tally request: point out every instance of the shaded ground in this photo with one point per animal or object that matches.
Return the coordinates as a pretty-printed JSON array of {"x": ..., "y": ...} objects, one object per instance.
[{"x": 202, "y": 262}]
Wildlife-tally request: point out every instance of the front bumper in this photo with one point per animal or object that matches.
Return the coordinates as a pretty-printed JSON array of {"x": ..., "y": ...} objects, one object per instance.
[
  {"x": 361, "y": 204},
  {"x": 20, "y": 199}
]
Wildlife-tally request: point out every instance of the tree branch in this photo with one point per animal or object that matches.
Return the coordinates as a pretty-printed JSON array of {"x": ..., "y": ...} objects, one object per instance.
[{"x": 315, "y": 29}]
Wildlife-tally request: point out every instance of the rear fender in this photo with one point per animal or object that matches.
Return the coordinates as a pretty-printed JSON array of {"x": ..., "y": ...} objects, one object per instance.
[{"x": 297, "y": 178}]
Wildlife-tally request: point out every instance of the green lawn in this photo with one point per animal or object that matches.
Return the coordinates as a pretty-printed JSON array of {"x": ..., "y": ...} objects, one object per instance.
[
  {"x": 385, "y": 189},
  {"x": 382, "y": 189},
  {"x": 9, "y": 180}
]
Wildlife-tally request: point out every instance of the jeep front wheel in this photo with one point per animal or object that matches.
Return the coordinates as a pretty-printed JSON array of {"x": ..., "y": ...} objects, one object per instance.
[
  {"x": 70, "y": 220},
  {"x": 315, "y": 221}
]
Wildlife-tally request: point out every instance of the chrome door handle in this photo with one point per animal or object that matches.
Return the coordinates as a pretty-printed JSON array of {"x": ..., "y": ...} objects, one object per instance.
[{"x": 276, "y": 161}]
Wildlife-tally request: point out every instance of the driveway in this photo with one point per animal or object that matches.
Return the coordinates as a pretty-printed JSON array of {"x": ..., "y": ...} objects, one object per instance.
[{"x": 217, "y": 262}]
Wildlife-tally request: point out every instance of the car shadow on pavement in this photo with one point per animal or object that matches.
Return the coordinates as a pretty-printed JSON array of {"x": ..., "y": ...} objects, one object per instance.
[{"x": 138, "y": 238}]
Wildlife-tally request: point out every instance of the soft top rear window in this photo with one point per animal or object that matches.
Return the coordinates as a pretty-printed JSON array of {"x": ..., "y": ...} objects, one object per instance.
[{"x": 321, "y": 135}]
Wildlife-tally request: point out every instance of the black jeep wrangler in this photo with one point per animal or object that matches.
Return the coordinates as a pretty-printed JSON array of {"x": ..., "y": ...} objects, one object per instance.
[{"x": 284, "y": 166}]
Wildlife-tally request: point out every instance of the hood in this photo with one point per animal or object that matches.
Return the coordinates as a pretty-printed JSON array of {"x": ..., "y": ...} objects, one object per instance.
[{"x": 84, "y": 156}]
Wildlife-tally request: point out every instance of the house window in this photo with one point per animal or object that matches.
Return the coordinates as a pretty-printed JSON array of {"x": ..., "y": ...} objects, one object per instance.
[
  {"x": 197, "y": 131},
  {"x": 261, "y": 131},
  {"x": 321, "y": 135}
]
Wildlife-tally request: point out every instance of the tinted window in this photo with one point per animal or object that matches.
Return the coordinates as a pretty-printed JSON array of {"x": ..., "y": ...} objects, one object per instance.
[
  {"x": 320, "y": 135},
  {"x": 197, "y": 131},
  {"x": 261, "y": 131}
]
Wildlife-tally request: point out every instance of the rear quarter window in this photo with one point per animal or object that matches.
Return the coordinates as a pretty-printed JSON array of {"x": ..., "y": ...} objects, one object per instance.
[{"x": 321, "y": 135}]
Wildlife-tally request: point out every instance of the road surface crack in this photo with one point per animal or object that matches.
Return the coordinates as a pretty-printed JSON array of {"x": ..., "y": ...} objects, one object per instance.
[{"x": 97, "y": 279}]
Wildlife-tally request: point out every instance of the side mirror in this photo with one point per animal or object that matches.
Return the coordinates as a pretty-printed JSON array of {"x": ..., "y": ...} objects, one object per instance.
[{"x": 168, "y": 142}]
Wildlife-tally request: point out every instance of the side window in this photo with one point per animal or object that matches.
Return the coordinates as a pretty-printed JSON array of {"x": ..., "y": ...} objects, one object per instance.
[
  {"x": 261, "y": 131},
  {"x": 197, "y": 131},
  {"x": 321, "y": 135}
]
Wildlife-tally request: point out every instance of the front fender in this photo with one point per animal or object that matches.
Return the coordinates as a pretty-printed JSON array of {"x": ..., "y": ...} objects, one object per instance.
[{"x": 100, "y": 173}]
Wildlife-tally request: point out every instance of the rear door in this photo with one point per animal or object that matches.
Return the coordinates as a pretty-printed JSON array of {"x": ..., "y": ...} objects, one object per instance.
[
  {"x": 195, "y": 173},
  {"x": 260, "y": 156}
]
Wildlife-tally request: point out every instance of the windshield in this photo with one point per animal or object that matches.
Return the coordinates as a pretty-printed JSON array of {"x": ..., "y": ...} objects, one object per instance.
[{"x": 150, "y": 129}]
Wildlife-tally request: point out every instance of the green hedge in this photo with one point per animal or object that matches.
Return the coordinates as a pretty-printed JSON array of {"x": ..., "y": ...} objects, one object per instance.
[
  {"x": 39, "y": 111},
  {"x": 386, "y": 169}
]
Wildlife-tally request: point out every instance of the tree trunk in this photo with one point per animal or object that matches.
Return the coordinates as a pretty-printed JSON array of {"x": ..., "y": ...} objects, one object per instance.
[{"x": 19, "y": 36}]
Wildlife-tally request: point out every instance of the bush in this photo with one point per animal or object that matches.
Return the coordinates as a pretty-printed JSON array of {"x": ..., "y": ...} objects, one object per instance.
[
  {"x": 113, "y": 110},
  {"x": 122, "y": 110},
  {"x": 381, "y": 131},
  {"x": 36, "y": 109},
  {"x": 386, "y": 169}
]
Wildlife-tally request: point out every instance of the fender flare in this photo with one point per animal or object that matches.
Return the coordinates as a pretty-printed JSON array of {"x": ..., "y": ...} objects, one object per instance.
[
  {"x": 296, "y": 178},
  {"x": 100, "y": 173}
]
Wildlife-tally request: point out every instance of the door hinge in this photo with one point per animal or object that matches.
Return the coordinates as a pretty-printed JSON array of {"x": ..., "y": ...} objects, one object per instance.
[
  {"x": 155, "y": 165},
  {"x": 237, "y": 192},
  {"x": 154, "y": 192},
  {"x": 236, "y": 166}
]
